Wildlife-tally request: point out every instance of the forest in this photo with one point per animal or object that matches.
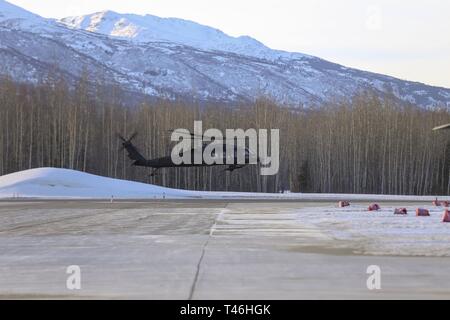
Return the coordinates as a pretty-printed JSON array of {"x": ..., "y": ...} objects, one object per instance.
[{"x": 365, "y": 144}]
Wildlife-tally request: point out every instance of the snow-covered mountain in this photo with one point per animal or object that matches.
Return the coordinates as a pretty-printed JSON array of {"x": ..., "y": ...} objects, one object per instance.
[
  {"x": 177, "y": 58},
  {"x": 149, "y": 28}
]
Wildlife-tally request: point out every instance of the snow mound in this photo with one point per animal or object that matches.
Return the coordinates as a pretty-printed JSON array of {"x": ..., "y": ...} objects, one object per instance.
[{"x": 65, "y": 183}]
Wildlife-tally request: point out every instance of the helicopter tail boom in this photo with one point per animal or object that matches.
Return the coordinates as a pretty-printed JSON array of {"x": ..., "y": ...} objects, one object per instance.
[{"x": 133, "y": 152}]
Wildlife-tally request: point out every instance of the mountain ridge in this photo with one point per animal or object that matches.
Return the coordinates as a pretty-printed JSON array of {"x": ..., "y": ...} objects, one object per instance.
[
  {"x": 180, "y": 67},
  {"x": 150, "y": 28}
]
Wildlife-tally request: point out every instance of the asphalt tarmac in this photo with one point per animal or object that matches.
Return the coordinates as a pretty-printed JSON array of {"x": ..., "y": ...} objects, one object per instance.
[{"x": 197, "y": 249}]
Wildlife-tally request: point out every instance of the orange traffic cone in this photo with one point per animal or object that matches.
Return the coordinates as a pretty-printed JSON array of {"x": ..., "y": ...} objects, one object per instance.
[
  {"x": 422, "y": 212},
  {"x": 343, "y": 204},
  {"x": 374, "y": 207},
  {"x": 446, "y": 216},
  {"x": 401, "y": 211}
]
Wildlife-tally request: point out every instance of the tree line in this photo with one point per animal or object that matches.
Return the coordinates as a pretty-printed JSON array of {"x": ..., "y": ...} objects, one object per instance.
[{"x": 366, "y": 144}]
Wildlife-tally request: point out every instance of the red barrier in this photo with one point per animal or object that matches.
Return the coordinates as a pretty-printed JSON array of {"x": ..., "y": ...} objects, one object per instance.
[
  {"x": 401, "y": 211},
  {"x": 422, "y": 212},
  {"x": 374, "y": 207},
  {"x": 343, "y": 204},
  {"x": 446, "y": 216},
  {"x": 436, "y": 203}
]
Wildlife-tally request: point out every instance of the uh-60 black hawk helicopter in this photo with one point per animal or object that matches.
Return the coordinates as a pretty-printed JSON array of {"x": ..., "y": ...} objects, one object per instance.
[{"x": 250, "y": 157}]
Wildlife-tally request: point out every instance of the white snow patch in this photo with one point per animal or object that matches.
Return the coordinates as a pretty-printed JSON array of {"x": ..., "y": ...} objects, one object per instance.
[
  {"x": 382, "y": 232},
  {"x": 64, "y": 183}
]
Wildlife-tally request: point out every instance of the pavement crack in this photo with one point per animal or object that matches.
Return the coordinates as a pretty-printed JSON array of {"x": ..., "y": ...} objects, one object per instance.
[
  {"x": 199, "y": 264},
  {"x": 194, "y": 283}
]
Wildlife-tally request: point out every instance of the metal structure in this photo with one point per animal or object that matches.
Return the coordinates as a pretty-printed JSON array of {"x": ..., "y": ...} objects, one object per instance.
[{"x": 445, "y": 126}]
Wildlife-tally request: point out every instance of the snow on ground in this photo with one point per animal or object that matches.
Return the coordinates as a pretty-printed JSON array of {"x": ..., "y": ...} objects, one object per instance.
[
  {"x": 65, "y": 183},
  {"x": 57, "y": 183},
  {"x": 382, "y": 232},
  {"x": 317, "y": 227}
]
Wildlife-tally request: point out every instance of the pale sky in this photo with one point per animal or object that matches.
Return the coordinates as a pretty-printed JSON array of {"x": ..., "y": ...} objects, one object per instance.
[{"x": 406, "y": 39}]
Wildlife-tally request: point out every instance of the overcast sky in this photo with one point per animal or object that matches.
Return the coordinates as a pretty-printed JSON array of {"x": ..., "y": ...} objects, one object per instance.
[{"x": 406, "y": 39}]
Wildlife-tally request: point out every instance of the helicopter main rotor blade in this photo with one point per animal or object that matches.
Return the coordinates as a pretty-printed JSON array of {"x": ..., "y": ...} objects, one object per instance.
[
  {"x": 120, "y": 137},
  {"x": 193, "y": 135},
  {"x": 124, "y": 141}
]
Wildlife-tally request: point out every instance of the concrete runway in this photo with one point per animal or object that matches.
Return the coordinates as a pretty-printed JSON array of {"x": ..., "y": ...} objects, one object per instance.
[{"x": 195, "y": 249}]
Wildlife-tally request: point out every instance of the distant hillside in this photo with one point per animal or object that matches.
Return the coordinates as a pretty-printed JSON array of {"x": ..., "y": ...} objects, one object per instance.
[{"x": 172, "y": 58}]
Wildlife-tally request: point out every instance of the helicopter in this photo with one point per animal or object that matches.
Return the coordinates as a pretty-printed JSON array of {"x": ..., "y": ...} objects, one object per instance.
[{"x": 224, "y": 158}]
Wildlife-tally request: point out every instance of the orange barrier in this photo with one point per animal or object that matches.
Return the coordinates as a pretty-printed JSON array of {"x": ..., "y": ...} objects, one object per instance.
[
  {"x": 446, "y": 216},
  {"x": 422, "y": 212},
  {"x": 343, "y": 204},
  {"x": 436, "y": 203},
  {"x": 401, "y": 211}
]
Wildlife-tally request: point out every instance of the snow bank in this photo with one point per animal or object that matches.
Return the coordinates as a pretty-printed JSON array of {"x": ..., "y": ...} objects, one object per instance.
[
  {"x": 64, "y": 183},
  {"x": 68, "y": 184}
]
